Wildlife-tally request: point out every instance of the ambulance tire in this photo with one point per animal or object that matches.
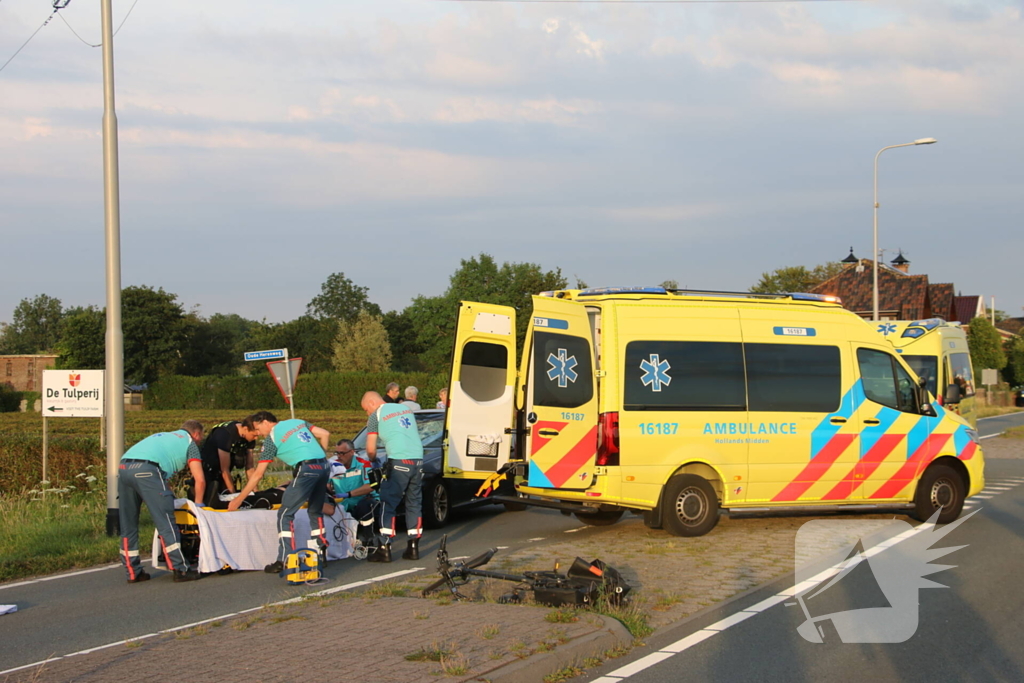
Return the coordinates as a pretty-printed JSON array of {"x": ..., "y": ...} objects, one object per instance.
[
  {"x": 603, "y": 518},
  {"x": 437, "y": 504},
  {"x": 940, "y": 487},
  {"x": 689, "y": 506}
]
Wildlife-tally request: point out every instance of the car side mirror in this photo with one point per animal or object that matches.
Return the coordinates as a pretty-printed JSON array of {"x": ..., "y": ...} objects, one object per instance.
[{"x": 952, "y": 396}]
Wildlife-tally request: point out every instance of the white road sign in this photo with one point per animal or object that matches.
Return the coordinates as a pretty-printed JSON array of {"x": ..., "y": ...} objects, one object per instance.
[{"x": 73, "y": 393}]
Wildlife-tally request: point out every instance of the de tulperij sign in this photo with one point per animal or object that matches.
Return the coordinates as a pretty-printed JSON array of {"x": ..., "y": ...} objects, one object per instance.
[{"x": 72, "y": 393}]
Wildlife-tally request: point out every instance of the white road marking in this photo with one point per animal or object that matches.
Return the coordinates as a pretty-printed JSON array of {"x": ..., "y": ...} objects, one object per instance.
[
  {"x": 329, "y": 591},
  {"x": 983, "y": 497},
  {"x": 738, "y": 617},
  {"x": 61, "y": 576},
  {"x": 990, "y": 436},
  {"x": 530, "y": 540},
  {"x": 572, "y": 531}
]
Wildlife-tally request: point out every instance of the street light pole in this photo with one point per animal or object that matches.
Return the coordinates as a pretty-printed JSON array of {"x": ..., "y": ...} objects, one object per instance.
[
  {"x": 114, "y": 375},
  {"x": 874, "y": 251}
]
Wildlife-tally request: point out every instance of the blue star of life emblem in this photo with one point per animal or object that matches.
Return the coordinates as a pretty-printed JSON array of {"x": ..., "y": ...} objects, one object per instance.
[
  {"x": 655, "y": 372},
  {"x": 562, "y": 368},
  {"x": 886, "y": 329},
  {"x": 405, "y": 421},
  {"x": 305, "y": 437}
]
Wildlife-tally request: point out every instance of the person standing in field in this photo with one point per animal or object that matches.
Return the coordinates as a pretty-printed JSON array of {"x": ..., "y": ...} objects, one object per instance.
[
  {"x": 392, "y": 392},
  {"x": 142, "y": 478},
  {"x": 442, "y": 403},
  {"x": 301, "y": 446},
  {"x": 411, "y": 401},
  {"x": 395, "y": 426}
]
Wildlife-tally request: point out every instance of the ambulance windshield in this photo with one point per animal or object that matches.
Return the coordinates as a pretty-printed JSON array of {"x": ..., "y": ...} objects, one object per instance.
[{"x": 927, "y": 368}]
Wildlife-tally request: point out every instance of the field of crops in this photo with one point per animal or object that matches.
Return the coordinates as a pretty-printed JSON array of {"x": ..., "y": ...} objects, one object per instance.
[{"x": 74, "y": 443}]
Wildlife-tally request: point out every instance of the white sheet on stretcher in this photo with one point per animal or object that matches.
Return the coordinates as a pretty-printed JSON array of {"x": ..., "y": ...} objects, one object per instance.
[{"x": 247, "y": 539}]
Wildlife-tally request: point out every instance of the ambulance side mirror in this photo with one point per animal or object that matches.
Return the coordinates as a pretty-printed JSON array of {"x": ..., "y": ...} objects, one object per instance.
[{"x": 952, "y": 396}]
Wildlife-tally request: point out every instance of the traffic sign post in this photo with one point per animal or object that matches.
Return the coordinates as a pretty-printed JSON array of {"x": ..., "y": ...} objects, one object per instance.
[
  {"x": 70, "y": 393},
  {"x": 285, "y": 382}
]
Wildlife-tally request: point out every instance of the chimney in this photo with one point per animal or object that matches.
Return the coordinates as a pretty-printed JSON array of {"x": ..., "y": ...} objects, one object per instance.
[{"x": 900, "y": 263}]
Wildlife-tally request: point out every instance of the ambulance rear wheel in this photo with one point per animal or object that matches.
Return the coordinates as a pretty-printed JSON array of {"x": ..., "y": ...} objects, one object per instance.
[
  {"x": 437, "y": 504},
  {"x": 690, "y": 506},
  {"x": 941, "y": 488},
  {"x": 603, "y": 518}
]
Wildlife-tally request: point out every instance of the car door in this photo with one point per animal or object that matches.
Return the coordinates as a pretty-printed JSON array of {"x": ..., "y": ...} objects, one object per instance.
[
  {"x": 482, "y": 392},
  {"x": 561, "y": 396}
]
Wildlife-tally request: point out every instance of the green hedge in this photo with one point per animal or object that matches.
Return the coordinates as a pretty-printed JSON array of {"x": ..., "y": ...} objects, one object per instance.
[
  {"x": 315, "y": 391},
  {"x": 10, "y": 400}
]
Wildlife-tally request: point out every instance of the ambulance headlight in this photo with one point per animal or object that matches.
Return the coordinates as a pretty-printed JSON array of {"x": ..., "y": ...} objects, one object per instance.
[{"x": 973, "y": 435}]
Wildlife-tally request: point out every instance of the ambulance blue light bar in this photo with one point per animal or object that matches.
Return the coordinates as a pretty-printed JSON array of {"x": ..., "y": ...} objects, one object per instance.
[
  {"x": 804, "y": 296},
  {"x": 928, "y": 323},
  {"x": 600, "y": 291},
  {"x": 913, "y": 332}
]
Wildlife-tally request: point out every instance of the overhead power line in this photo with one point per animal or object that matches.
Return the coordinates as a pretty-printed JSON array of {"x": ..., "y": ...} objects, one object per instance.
[{"x": 11, "y": 58}]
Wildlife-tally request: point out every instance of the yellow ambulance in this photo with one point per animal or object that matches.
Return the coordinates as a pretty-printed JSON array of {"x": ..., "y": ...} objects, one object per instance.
[
  {"x": 678, "y": 404},
  {"x": 937, "y": 352}
]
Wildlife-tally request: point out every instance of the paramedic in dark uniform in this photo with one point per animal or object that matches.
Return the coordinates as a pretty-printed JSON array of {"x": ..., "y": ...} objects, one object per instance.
[
  {"x": 301, "y": 446},
  {"x": 228, "y": 446},
  {"x": 352, "y": 489},
  {"x": 142, "y": 478},
  {"x": 395, "y": 426}
]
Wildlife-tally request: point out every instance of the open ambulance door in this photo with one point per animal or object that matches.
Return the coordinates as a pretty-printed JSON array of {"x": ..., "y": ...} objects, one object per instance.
[
  {"x": 481, "y": 397},
  {"x": 561, "y": 396}
]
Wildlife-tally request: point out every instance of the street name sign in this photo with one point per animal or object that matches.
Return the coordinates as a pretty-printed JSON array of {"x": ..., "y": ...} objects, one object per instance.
[
  {"x": 272, "y": 354},
  {"x": 72, "y": 393}
]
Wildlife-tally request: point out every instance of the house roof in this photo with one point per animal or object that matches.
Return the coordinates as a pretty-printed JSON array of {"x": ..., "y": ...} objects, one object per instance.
[
  {"x": 942, "y": 295},
  {"x": 907, "y": 297},
  {"x": 967, "y": 307}
]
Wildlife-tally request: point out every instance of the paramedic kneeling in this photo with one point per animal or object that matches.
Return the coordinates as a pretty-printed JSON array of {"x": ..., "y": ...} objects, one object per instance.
[
  {"x": 395, "y": 425},
  {"x": 142, "y": 478},
  {"x": 352, "y": 488},
  {"x": 295, "y": 443}
]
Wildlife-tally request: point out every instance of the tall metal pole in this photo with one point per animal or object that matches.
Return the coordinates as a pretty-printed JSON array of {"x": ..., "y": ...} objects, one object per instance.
[
  {"x": 114, "y": 376},
  {"x": 874, "y": 250}
]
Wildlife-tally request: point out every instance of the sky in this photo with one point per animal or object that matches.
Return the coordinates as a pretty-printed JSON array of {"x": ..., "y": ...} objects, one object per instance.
[{"x": 265, "y": 145}]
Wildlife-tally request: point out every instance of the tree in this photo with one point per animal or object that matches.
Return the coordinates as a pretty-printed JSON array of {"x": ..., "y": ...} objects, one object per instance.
[
  {"x": 82, "y": 345},
  {"x": 34, "y": 328},
  {"x": 669, "y": 284},
  {"x": 340, "y": 299},
  {"x": 478, "y": 279},
  {"x": 214, "y": 346},
  {"x": 154, "y": 333},
  {"x": 986, "y": 347},
  {"x": 795, "y": 278},
  {"x": 362, "y": 345},
  {"x": 307, "y": 337},
  {"x": 405, "y": 345},
  {"x": 1013, "y": 373}
]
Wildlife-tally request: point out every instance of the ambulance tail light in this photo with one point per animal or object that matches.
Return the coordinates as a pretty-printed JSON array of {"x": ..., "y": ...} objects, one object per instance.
[{"x": 608, "y": 439}]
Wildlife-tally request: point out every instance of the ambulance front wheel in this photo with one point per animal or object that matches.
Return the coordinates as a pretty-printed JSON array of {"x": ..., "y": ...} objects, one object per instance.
[
  {"x": 941, "y": 488},
  {"x": 689, "y": 506}
]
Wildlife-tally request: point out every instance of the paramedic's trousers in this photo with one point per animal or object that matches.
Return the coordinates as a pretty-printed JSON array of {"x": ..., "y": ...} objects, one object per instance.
[
  {"x": 309, "y": 485},
  {"x": 141, "y": 481},
  {"x": 405, "y": 479}
]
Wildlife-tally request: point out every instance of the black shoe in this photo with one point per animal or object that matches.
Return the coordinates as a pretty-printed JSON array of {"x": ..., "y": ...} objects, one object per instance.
[
  {"x": 274, "y": 567},
  {"x": 382, "y": 554},
  {"x": 187, "y": 575},
  {"x": 412, "y": 551},
  {"x": 140, "y": 577}
]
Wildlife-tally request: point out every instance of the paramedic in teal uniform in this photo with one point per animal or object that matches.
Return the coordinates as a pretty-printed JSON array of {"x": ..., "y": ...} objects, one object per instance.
[
  {"x": 301, "y": 446},
  {"x": 142, "y": 478},
  {"x": 395, "y": 425}
]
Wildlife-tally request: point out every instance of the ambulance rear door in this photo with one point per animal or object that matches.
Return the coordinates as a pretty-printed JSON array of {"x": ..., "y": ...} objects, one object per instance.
[
  {"x": 481, "y": 396},
  {"x": 561, "y": 396}
]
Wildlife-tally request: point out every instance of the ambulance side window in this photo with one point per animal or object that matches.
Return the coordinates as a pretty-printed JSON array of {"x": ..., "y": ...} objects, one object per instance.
[
  {"x": 483, "y": 370},
  {"x": 794, "y": 378},
  {"x": 563, "y": 372},
  {"x": 672, "y": 375},
  {"x": 884, "y": 381}
]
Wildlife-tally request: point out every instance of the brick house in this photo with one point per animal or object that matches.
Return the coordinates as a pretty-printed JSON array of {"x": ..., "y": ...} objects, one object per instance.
[
  {"x": 25, "y": 373},
  {"x": 901, "y": 296}
]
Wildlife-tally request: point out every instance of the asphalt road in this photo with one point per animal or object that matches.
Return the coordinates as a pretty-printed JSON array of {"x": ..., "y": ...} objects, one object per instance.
[
  {"x": 969, "y": 631},
  {"x": 990, "y": 426},
  {"x": 78, "y": 612}
]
